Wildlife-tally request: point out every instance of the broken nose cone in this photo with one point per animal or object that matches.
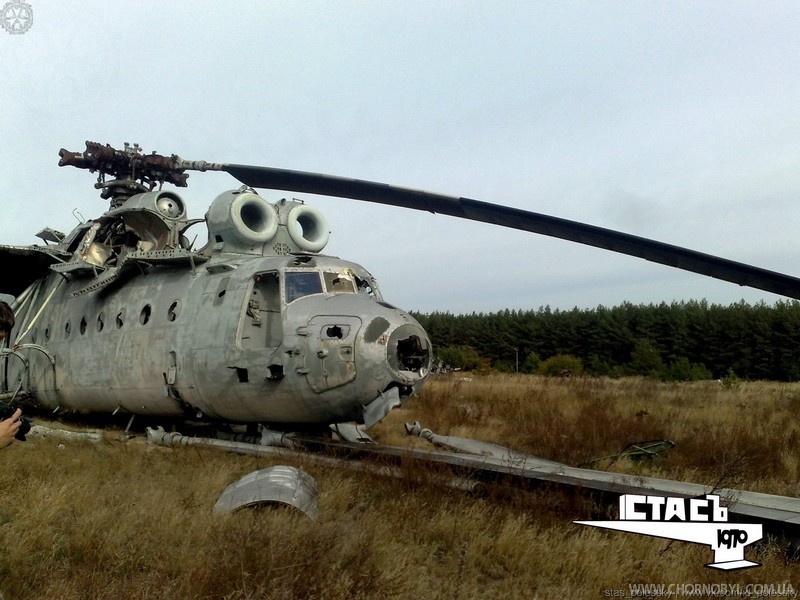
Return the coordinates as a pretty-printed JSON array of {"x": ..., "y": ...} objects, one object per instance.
[{"x": 409, "y": 354}]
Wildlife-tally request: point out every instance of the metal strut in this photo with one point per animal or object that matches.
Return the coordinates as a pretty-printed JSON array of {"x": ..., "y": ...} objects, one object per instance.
[{"x": 6, "y": 352}]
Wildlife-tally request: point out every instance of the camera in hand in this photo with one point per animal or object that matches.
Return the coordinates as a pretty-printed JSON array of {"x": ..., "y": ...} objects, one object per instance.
[{"x": 6, "y": 411}]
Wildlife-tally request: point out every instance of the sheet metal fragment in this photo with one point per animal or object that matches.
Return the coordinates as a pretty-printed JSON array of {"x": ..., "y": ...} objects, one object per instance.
[{"x": 280, "y": 484}]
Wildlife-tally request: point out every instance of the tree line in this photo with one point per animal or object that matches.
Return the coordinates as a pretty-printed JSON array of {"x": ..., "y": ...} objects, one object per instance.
[{"x": 678, "y": 341}]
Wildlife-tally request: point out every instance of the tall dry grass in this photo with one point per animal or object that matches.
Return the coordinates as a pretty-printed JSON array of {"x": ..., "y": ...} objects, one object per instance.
[
  {"x": 121, "y": 519},
  {"x": 744, "y": 437}
]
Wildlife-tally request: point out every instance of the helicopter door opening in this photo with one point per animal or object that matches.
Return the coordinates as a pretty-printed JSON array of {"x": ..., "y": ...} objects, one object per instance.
[{"x": 262, "y": 326}]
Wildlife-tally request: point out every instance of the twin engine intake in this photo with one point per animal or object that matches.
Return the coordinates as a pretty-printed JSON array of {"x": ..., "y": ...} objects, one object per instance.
[{"x": 242, "y": 222}]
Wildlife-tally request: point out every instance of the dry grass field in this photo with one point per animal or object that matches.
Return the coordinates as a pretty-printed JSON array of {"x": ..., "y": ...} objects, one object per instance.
[{"x": 121, "y": 519}]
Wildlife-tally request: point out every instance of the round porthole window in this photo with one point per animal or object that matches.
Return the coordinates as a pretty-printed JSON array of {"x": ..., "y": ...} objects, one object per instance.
[{"x": 172, "y": 312}]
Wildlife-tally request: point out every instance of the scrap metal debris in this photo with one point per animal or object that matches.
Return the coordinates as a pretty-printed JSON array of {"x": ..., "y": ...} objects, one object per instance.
[
  {"x": 280, "y": 484},
  {"x": 649, "y": 450}
]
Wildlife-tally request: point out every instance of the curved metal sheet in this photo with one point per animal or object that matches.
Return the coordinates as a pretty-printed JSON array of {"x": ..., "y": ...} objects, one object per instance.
[
  {"x": 474, "y": 210},
  {"x": 280, "y": 484}
]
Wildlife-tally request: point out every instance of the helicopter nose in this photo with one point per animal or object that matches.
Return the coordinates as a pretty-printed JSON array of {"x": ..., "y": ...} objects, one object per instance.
[
  {"x": 407, "y": 363},
  {"x": 408, "y": 352}
]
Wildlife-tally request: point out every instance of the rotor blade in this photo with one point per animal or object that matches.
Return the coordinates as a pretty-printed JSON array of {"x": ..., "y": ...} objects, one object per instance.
[{"x": 475, "y": 210}]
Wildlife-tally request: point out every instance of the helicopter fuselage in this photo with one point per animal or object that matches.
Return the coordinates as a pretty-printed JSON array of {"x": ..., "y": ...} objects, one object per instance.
[{"x": 294, "y": 338}]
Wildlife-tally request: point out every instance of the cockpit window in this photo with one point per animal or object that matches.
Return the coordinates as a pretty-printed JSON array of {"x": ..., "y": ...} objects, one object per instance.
[
  {"x": 367, "y": 287},
  {"x": 302, "y": 283},
  {"x": 338, "y": 282}
]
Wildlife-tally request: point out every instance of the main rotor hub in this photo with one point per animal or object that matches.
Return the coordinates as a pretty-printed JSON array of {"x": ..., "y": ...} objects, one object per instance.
[{"x": 131, "y": 171}]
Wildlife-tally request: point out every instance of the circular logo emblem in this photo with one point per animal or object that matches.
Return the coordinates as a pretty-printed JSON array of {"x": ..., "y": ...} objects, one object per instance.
[{"x": 16, "y": 16}]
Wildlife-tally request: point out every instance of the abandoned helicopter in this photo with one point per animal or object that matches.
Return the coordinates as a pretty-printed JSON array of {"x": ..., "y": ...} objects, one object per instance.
[{"x": 124, "y": 315}]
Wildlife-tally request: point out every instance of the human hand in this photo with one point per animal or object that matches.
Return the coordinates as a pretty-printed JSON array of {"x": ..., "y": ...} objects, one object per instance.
[{"x": 9, "y": 428}]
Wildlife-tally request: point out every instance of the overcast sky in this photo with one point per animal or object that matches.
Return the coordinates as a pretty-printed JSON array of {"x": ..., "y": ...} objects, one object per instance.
[{"x": 678, "y": 121}]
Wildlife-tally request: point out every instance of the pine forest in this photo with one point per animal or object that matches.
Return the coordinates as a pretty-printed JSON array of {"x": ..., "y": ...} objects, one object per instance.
[{"x": 681, "y": 341}]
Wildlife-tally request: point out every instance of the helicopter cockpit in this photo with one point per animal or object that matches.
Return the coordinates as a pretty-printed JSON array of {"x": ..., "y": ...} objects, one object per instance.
[{"x": 304, "y": 282}]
